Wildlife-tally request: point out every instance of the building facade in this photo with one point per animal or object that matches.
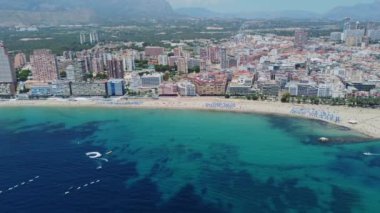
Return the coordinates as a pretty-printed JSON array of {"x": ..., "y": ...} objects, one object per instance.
[
  {"x": 44, "y": 66},
  {"x": 88, "y": 89},
  {"x": 212, "y": 83},
  {"x": 300, "y": 38},
  {"x": 116, "y": 87},
  {"x": 182, "y": 66},
  {"x": 154, "y": 51},
  {"x": 151, "y": 80},
  {"x": 224, "y": 62},
  {"x": 168, "y": 89},
  {"x": 20, "y": 60},
  {"x": 7, "y": 74},
  {"x": 186, "y": 88}
]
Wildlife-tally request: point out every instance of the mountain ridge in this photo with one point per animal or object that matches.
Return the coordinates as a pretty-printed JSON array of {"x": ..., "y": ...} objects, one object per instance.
[
  {"x": 56, "y": 12},
  {"x": 362, "y": 11},
  {"x": 81, "y": 11}
]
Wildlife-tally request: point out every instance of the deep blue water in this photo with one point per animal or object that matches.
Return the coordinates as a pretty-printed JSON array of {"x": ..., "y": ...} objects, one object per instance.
[{"x": 43, "y": 153}]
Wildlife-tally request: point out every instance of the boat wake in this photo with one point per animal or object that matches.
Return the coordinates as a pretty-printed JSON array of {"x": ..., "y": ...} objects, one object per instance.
[
  {"x": 98, "y": 157},
  {"x": 370, "y": 154},
  {"x": 81, "y": 187},
  {"x": 94, "y": 155},
  {"x": 30, "y": 181}
]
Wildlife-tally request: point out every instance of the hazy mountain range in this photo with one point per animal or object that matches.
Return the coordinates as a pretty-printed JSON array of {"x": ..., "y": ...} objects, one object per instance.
[
  {"x": 369, "y": 11},
  {"x": 205, "y": 13},
  {"x": 53, "y": 12}
]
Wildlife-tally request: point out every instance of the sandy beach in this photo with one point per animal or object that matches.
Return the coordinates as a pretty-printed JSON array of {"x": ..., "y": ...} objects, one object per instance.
[{"x": 368, "y": 119}]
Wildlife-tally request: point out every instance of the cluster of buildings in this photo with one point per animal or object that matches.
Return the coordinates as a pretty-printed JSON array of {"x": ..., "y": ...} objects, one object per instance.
[
  {"x": 356, "y": 34},
  {"x": 90, "y": 38},
  {"x": 244, "y": 65},
  {"x": 65, "y": 89}
]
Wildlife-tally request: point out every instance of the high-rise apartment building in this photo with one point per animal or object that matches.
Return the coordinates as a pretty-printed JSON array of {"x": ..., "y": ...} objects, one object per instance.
[
  {"x": 129, "y": 63},
  {"x": 163, "y": 60},
  {"x": 75, "y": 71},
  {"x": 7, "y": 74},
  {"x": 301, "y": 37},
  {"x": 182, "y": 66},
  {"x": 213, "y": 54},
  {"x": 6, "y": 70},
  {"x": 93, "y": 37},
  {"x": 154, "y": 51},
  {"x": 178, "y": 51},
  {"x": 223, "y": 58},
  {"x": 82, "y": 38},
  {"x": 115, "y": 67},
  {"x": 44, "y": 66}
]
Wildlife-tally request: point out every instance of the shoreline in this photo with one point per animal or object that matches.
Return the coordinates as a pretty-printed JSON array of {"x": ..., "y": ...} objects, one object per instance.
[{"x": 368, "y": 119}]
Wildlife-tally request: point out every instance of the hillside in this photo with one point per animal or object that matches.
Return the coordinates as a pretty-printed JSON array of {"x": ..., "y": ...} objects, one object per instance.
[
  {"x": 80, "y": 11},
  {"x": 365, "y": 12}
]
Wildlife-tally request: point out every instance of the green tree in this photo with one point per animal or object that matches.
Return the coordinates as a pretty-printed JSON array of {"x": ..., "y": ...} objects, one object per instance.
[
  {"x": 23, "y": 75},
  {"x": 255, "y": 97},
  {"x": 101, "y": 76},
  {"x": 195, "y": 69},
  {"x": 88, "y": 76},
  {"x": 285, "y": 98},
  {"x": 161, "y": 68},
  {"x": 166, "y": 76},
  {"x": 63, "y": 74}
]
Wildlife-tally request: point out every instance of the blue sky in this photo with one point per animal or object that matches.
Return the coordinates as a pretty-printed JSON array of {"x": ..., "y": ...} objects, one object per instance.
[{"x": 265, "y": 5}]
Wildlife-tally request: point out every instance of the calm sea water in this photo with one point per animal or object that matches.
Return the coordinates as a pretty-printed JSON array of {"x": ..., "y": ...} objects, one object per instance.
[{"x": 180, "y": 161}]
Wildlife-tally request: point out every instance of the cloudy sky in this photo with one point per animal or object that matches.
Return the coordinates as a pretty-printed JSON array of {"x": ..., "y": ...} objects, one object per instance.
[{"x": 266, "y": 5}]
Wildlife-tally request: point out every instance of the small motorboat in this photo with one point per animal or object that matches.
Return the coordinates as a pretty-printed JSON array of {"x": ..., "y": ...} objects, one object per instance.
[
  {"x": 108, "y": 153},
  {"x": 353, "y": 122},
  {"x": 323, "y": 139},
  {"x": 93, "y": 155}
]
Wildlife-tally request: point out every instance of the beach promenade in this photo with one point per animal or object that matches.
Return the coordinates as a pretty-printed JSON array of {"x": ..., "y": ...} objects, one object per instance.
[{"x": 368, "y": 120}]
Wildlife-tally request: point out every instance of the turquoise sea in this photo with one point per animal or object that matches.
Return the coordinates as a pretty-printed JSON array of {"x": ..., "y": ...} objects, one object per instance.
[{"x": 181, "y": 161}]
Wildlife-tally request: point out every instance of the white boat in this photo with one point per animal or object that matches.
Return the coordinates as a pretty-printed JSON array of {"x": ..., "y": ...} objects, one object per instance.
[
  {"x": 353, "y": 122},
  {"x": 323, "y": 139}
]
